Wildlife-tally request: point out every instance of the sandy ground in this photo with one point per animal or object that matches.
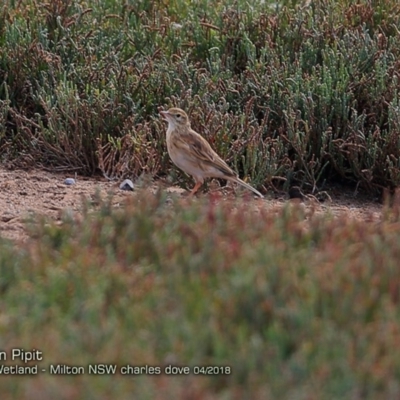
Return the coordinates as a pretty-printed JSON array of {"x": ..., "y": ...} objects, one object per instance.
[{"x": 23, "y": 193}]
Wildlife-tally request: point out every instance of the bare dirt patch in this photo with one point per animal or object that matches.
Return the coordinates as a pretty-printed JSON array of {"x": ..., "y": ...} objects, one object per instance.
[{"x": 25, "y": 193}]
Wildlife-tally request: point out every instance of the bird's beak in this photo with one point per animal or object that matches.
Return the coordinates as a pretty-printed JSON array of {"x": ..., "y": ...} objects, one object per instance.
[{"x": 164, "y": 115}]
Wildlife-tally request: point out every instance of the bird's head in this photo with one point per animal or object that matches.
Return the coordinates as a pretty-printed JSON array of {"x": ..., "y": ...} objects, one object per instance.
[{"x": 175, "y": 117}]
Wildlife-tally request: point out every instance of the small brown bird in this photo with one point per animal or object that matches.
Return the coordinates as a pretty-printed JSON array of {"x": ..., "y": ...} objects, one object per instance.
[{"x": 192, "y": 153}]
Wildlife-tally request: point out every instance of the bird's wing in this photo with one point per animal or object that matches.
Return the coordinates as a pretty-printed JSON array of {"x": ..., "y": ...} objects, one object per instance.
[{"x": 198, "y": 148}]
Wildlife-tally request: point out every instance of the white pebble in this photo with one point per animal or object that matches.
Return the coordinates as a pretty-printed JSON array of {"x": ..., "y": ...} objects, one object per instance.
[
  {"x": 127, "y": 184},
  {"x": 69, "y": 181}
]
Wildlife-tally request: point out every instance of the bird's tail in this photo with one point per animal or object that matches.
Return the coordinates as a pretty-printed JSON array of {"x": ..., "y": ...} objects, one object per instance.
[{"x": 247, "y": 186}]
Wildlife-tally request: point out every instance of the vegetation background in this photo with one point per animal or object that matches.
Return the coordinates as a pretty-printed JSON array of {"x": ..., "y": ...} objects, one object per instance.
[{"x": 287, "y": 92}]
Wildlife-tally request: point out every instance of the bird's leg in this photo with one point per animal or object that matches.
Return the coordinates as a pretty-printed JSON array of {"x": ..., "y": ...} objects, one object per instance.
[{"x": 195, "y": 189}]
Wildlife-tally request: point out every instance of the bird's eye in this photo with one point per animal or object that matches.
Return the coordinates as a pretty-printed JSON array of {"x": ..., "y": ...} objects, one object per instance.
[{"x": 178, "y": 116}]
